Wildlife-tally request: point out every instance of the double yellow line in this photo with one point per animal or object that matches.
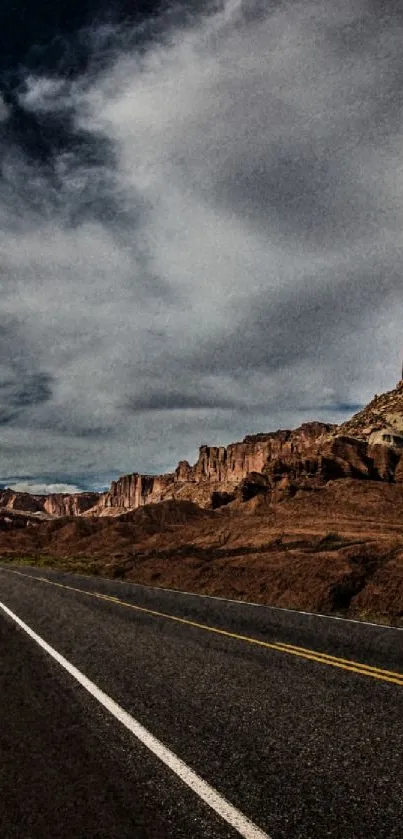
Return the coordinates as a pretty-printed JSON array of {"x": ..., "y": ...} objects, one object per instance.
[{"x": 300, "y": 652}]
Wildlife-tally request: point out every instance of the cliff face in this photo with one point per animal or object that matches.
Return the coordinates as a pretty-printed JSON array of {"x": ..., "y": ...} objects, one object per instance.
[
  {"x": 69, "y": 505},
  {"x": 218, "y": 469},
  {"x": 21, "y": 501},
  {"x": 54, "y": 505},
  {"x": 257, "y": 453},
  {"x": 278, "y": 464},
  {"x": 135, "y": 490}
]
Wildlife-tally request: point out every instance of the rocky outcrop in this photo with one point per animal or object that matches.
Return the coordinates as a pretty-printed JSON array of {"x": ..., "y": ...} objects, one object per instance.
[
  {"x": 253, "y": 484},
  {"x": 256, "y": 453},
  {"x": 135, "y": 490},
  {"x": 385, "y": 409},
  {"x": 217, "y": 472},
  {"x": 23, "y": 501},
  {"x": 339, "y": 457},
  {"x": 69, "y": 505},
  {"x": 57, "y": 504},
  {"x": 345, "y": 457}
]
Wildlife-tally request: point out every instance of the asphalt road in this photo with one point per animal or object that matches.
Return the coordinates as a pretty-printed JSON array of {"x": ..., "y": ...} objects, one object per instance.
[{"x": 296, "y": 720}]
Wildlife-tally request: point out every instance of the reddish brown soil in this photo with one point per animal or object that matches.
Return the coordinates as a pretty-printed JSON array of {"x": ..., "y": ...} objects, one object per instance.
[{"x": 338, "y": 549}]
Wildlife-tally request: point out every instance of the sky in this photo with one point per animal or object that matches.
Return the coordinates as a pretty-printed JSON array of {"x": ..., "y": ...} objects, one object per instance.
[{"x": 201, "y": 232}]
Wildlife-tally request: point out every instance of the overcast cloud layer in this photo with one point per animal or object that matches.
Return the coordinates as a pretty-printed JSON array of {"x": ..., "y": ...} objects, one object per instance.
[{"x": 201, "y": 234}]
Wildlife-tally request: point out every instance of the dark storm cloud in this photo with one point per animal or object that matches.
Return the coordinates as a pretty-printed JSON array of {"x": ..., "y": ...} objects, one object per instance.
[
  {"x": 20, "y": 390},
  {"x": 22, "y": 386},
  {"x": 55, "y": 35},
  {"x": 34, "y": 389},
  {"x": 176, "y": 401},
  {"x": 201, "y": 225}
]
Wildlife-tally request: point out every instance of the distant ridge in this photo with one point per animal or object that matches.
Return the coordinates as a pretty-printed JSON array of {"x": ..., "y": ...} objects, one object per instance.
[{"x": 276, "y": 464}]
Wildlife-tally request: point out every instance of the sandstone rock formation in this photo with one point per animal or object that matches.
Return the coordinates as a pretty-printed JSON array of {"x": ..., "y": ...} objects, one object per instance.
[
  {"x": 59, "y": 504},
  {"x": 56, "y": 504},
  {"x": 277, "y": 464},
  {"x": 384, "y": 410},
  {"x": 23, "y": 501},
  {"x": 135, "y": 490},
  {"x": 218, "y": 471}
]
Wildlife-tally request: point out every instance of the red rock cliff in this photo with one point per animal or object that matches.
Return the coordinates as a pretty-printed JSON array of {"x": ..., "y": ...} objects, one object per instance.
[
  {"x": 135, "y": 490},
  {"x": 256, "y": 453},
  {"x": 57, "y": 504},
  {"x": 69, "y": 505},
  {"x": 217, "y": 468}
]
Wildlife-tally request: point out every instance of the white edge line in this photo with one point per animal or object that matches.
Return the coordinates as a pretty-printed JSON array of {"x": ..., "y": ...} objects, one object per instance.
[
  {"x": 208, "y": 794},
  {"x": 247, "y": 603},
  {"x": 227, "y": 600},
  {"x": 221, "y": 599}
]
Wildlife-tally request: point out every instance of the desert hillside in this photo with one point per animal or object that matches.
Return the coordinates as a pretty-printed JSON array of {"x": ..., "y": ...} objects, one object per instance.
[{"x": 337, "y": 550}]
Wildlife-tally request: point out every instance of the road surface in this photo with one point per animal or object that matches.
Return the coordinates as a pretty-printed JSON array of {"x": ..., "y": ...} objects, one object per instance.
[{"x": 127, "y": 711}]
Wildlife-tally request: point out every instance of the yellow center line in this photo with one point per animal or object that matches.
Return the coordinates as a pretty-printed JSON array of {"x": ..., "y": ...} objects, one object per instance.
[
  {"x": 333, "y": 658},
  {"x": 300, "y": 652}
]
